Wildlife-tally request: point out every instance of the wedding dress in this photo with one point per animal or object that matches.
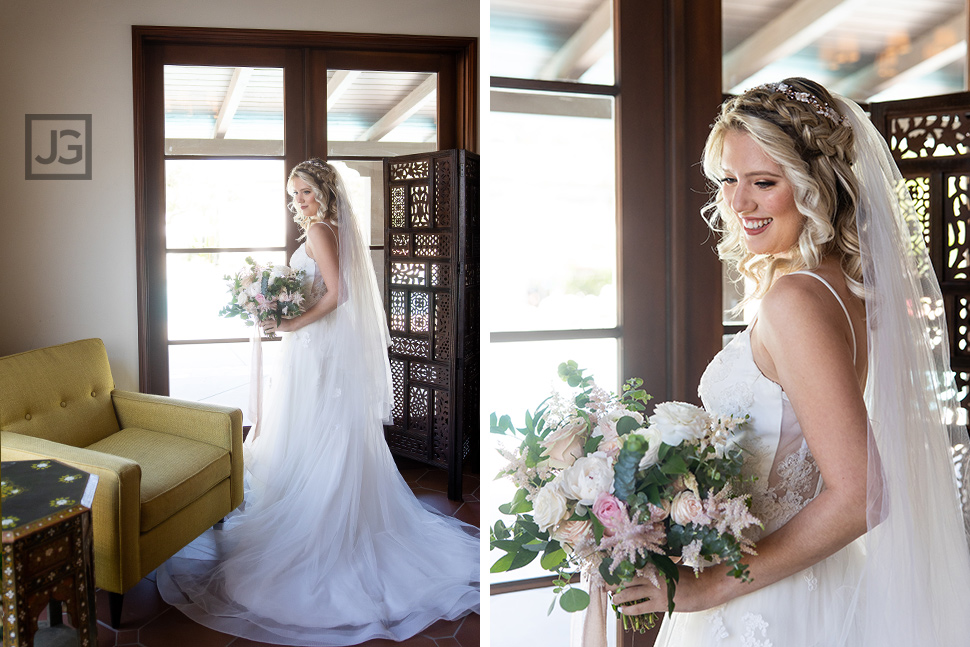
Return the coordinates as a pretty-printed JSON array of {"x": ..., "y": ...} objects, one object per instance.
[
  {"x": 330, "y": 546},
  {"x": 802, "y": 609}
]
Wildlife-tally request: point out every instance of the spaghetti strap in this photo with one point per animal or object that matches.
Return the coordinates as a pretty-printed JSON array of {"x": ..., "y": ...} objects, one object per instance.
[
  {"x": 330, "y": 227},
  {"x": 841, "y": 303}
]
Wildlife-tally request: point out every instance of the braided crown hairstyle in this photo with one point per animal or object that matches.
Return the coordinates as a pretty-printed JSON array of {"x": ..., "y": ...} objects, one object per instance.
[
  {"x": 322, "y": 178},
  {"x": 796, "y": 126}
]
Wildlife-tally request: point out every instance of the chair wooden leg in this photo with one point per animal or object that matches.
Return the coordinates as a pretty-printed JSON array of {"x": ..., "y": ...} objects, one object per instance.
[{"x": 114, "y": 605}]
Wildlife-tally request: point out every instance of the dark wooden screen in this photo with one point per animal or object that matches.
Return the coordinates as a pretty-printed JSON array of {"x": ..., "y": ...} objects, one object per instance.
[
  {"x": 432, "y": 296},
  {"x": 930, "y": 140}
]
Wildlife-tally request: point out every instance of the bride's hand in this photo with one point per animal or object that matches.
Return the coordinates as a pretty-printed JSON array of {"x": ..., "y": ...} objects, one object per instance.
[
  {"x": 270, "y": 326},
  {"x": 640, "y": 597},
  {"x": 693, "y": 593}
]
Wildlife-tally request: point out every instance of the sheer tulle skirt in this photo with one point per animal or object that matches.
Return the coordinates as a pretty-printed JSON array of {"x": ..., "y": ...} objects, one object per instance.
[{"x": 330, "y": 547}]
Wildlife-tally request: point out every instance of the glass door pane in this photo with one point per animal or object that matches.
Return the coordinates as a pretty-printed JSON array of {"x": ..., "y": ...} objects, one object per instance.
[
  {"x": 224, "y": 200},
  {"x": 381, "y": 114}
]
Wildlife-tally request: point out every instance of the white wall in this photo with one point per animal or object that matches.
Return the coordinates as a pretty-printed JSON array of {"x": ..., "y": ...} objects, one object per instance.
[{"x": 67, "y": 247}]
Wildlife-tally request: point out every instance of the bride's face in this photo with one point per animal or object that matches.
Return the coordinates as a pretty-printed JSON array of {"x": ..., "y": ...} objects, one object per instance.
[
  {"x": 756, "y": 189},
  {"x": 303, "y": 197}
]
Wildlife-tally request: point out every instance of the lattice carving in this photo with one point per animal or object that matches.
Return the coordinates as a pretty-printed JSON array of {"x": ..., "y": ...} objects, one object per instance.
[
  {"x": 413, "y": 347},
  {"x": 400, "y": 244},
  {"x": 417, "y": 170},
  {"x": 442, "y": 193},
  {"x": 398, "y": 311},
  {"x": 929, "y": 136},
  {"x": 398, "y": 207},
  {"x": 919, "y": 191},
  {"x": 420, "y": 314},
  {"x": 409, "y": 273},
  {"x": 418, "y": 410},
  {"x": 432, "y": 245},
  {"x": 442, "y": 415},
  {"x": 963, "y": 387},
  {"x": 442, "y": 326},
  {"x": 440, "y": 275},
  {"x": 397, "y": 379},
  {"x": 955, "y": 220},
  {"x": 420, "y": 214},
  {"x": 961, "y": 325},
  {"x": 405, "y": 444},
  {"x": 431, "y": 373},
  {"x": 433, "y": 216}
]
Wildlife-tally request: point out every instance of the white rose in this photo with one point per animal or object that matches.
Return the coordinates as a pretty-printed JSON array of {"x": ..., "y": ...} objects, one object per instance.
[
  {"x": 655, "y": 440},
  {"x": 679, "y": 421},
  {"x": 587, "y": 478},
  {"x": 686, "y": 507},
  {"x": 548, "y": 506}
]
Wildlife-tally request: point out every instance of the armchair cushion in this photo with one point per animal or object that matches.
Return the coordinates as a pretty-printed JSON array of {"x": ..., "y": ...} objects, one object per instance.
[
  {"x": 61, "y": 393},
  {"x": 175, "y": 471}
]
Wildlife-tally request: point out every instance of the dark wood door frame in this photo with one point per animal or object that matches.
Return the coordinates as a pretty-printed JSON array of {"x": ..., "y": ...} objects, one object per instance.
[{"x": 455, "y": 60}]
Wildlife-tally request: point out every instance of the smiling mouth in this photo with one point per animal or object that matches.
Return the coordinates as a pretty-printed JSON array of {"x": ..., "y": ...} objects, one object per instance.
[{"x": 754, "y": 226}]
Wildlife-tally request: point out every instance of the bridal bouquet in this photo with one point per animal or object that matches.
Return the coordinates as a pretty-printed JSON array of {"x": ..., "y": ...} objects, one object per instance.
[
  {"x": 608, "y": 493},
  {"x": 263, "y": 291}
]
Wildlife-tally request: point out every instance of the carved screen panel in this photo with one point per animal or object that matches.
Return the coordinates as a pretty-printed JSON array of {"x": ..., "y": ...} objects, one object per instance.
[
  {"x": 930, "y": 140},
  {"x": 431, "y": 274}
]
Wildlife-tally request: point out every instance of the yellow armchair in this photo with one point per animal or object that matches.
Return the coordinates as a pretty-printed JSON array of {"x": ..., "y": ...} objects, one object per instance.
[{"x": 168, "y": 469}]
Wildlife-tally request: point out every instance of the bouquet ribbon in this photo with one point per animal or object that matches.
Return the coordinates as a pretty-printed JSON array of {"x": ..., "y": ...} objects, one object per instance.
[
  {"x": 592, "y": 632},
  {"x": 256, "y": 384}
]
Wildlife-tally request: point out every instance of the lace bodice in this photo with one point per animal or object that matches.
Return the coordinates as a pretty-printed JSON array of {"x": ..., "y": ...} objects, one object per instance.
[
  {"x": 785, "y": 475},
  {"x": 314, "y": 281}
]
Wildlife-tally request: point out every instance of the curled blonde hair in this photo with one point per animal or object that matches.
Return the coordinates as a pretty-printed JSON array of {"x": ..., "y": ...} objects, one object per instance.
[
  {"x": 814, "y": 151},
  {"x": 322, "y": 178}
]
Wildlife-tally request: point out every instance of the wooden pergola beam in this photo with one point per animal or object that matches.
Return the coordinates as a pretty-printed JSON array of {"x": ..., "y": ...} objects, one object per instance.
[
  {"x": 585, "y": 47},
  {"x": 797, "y": 27},
  {"x": 402, "y": 111},
  {"x": 230, "y": 103}
]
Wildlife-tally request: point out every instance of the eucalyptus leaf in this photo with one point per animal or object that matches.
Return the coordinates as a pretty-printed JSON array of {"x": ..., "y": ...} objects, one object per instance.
[
  {"x": 573, "y": 600},
  {"x": 503, "y": 563}
]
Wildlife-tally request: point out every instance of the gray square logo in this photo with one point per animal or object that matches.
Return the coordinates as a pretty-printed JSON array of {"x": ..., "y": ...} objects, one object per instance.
[{"x": 58, "y": 147}]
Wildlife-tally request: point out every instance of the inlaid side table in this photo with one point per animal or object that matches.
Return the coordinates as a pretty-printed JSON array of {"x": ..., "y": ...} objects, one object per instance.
[{"x": 48, "y": 554}]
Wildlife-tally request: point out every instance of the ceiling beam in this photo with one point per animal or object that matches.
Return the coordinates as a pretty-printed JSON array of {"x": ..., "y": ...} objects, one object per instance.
[
  {"x": 938, "y": 47},
  {"x": 230, "y": 103},
  {"x": 400, "y": 113},
  {"x": 338, "y": 84},
  {"x": 794, "y": 29},
  {"x": 585, "y": 47}
]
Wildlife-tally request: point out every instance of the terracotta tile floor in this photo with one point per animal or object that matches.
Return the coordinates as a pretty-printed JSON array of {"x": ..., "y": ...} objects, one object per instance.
[{"x": 147, "y": 621}]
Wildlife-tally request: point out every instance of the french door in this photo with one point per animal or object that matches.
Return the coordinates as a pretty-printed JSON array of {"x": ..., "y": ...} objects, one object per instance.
[{"x": 220, "y": 118}]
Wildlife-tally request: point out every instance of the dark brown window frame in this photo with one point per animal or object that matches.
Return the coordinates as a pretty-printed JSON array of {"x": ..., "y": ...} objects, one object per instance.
[
  {"x": 667, "y": 91},
  {"x": 301, "y": 54}
]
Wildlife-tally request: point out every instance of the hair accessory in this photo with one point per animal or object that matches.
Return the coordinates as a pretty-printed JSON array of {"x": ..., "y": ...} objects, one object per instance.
[{"x": 818, "y": 105}]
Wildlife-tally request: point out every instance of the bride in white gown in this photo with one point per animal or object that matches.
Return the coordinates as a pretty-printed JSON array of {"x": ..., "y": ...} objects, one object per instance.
[
  {"x": 845, "y": 374},
  {"x": 330, "y": 547}
]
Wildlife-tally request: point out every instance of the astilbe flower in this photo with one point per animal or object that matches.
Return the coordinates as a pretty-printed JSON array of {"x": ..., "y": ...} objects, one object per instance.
[
  {"x": 524, "y": 477},
  {"x": 630, "y": 540},
  {"x": 731, "y": 515}
]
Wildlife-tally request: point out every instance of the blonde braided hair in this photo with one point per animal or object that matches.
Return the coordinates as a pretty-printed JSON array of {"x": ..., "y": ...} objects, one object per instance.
[
  {"x": 322, "y": 178},
  {"x": 793, "y": 123}
]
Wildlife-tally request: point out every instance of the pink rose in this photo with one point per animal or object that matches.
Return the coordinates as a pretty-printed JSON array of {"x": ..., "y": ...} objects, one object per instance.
[
  {"x": 610, "y": 511},
  {"x": 565, "y": 444},
  {"x": 686, "y": 507},
  {"x": 573, "y": 533}
]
